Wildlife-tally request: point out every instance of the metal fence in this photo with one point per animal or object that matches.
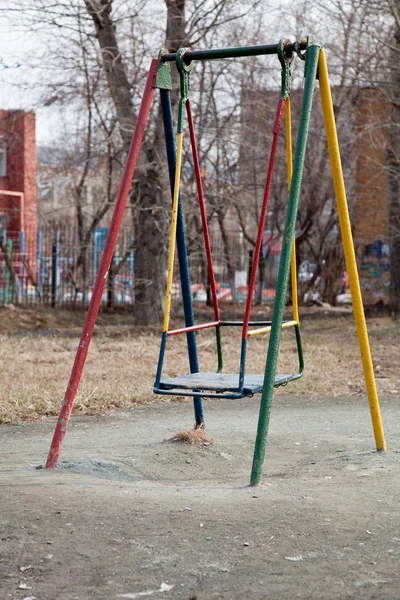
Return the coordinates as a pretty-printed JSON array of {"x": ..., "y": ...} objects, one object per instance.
[{"x": 48, "y": 268}]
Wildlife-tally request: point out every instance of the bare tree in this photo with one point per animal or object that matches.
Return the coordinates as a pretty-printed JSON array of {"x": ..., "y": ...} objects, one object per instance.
[
  {"x": 150, "y": 199},
  {"x": 369, "y": 58},
  {"x": 109, "y": 43},
  {"x": 393, "y": 158}
]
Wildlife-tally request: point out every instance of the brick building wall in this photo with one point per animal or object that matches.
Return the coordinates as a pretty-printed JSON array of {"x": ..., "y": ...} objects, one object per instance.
[
  {"x": 18, "y": 142},
  {"x": 370, "y": 214}
]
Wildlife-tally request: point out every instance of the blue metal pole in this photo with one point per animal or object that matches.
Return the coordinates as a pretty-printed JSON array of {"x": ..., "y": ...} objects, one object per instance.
[{"x": 181, "y": 249}]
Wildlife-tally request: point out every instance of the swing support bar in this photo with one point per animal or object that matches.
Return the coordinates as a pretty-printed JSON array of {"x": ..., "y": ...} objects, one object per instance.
[
  {"x": 238, "y": 52},
  {"x": 348, "y": 246},
  {"x": 170, "y": 146},
  {"x": 104, "y": 267},
  {"x": 284, "y": 267},
  {"x": 315, "y": 60}
]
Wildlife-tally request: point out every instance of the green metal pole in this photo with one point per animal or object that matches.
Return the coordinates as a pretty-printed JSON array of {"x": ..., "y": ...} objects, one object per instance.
[
  {"x": 312, "y": 55},
  {"x": 237, "y": 52}
]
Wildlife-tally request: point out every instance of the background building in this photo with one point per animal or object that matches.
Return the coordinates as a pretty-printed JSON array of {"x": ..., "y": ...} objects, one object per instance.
[
  {"x": 370, "y": 213},
  {"x": 18, "y": 209}
]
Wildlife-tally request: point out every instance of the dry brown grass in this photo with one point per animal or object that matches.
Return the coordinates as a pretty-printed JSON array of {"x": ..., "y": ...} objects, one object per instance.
[
  {"x": 37, "y": 349},
  {"x": 195, "y": 436}
]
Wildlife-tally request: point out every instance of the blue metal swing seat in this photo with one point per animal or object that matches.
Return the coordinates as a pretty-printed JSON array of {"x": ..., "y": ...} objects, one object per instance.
[{"x": 217, "y": 385}]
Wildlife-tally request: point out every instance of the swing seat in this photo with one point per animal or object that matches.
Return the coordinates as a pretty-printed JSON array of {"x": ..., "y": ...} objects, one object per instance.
[{"x": 221, "y": 384}]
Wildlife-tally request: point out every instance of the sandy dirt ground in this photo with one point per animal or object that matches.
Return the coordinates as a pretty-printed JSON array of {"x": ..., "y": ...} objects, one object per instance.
[{"x": 128, "y": 514}]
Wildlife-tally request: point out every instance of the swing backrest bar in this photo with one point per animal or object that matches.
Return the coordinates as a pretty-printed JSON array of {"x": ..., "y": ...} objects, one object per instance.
[
  {"x": 240, "y": 323},
  {"x": 267, "y": 329},
  {"x": 264, "y": 329},
  {"x": 194, "y": 328}
]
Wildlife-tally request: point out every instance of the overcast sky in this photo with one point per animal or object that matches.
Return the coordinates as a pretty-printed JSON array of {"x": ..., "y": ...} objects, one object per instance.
[{"x": 19, "y": 83}]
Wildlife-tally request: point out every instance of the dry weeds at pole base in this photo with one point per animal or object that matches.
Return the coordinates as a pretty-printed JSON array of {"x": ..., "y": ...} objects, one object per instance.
[{"x": 195, "y": 436}]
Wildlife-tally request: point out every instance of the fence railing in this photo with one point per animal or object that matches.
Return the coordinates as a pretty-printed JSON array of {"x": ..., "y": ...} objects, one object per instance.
[{"x": 52, "y": 268}]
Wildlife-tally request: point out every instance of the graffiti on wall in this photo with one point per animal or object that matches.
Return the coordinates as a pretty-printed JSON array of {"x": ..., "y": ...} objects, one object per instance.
[{"x": 375, "y": 269}]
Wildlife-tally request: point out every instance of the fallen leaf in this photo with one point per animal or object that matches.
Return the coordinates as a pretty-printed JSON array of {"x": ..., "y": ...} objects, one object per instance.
[
  {"x": 164, "y": 587},
  {"x": 294, "y": 558}
]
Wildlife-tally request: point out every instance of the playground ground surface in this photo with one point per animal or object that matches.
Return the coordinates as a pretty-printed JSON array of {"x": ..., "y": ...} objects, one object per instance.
[{"x": 130, "y": 514}]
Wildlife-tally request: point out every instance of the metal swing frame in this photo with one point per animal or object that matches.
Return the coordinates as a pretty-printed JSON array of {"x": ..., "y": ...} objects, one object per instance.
[{"x": 159, "y": 78}]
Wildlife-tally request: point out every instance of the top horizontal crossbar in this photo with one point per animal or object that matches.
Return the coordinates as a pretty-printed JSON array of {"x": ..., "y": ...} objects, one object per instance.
[{"x": 240, "y": 51}]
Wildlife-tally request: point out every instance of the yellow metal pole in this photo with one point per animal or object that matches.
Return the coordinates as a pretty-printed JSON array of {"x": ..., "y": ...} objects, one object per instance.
[
  {"x": 289, "y": 162},
  {"x": 172, "y": 237},
  {"x": 345, "y": 227},
  {"x": 268, "y": 328}
]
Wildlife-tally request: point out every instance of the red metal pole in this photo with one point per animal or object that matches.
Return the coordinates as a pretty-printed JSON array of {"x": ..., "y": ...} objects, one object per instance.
[
  {"x": 203, "y": 210},
  {"x": 263, "y": 215},
  {"x": 98, "y": 290},
  {"x": 193, "y": 328}
]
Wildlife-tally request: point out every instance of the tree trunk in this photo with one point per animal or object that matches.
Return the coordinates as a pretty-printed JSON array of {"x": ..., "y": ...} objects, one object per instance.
[
  {"x": 8, "y": 259},
  {"x": 332, "y": 273},
  {"x": 154, "y": 207},
  {"x": 150, "y": 198},
  {"x": 227, "y": 257},
  {"x": 117, "y": 79},
  {"x": 151, "y": 233},
  {"x": 393, "y": 186},
  {"x": 205, "y": 278},
  {"x": 261, "y": 279}
]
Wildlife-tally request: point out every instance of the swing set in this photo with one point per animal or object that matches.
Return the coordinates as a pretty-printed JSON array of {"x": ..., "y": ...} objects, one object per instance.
[{"x": 217, "y": 384}]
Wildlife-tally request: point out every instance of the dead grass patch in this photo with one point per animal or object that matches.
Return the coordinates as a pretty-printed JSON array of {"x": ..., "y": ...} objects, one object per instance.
[
  {"x": 35, "y": 365},
  {"x": 194, "y": 436}
]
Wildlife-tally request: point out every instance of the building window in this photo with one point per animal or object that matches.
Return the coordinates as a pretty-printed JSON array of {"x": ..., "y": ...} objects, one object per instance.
[{"x": 3, "y": 158}]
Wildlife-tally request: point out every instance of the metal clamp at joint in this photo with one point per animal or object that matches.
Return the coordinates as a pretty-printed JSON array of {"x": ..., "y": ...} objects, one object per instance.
[
  {"x": 308, "y": 41},
  {"x": 184, "y": 71},
  {"x": 285, "y": 59}
]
